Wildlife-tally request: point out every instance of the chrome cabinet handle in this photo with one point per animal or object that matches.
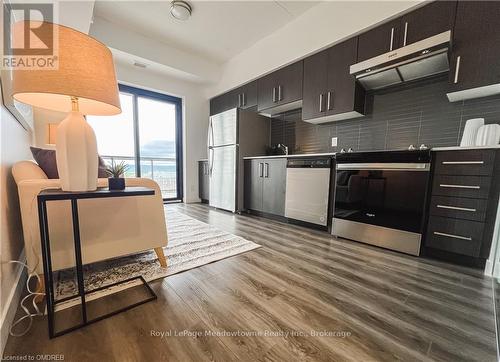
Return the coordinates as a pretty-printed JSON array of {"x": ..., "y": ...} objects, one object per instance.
[
  {"x": 406, "y": 33},
  {"x": 280, "y": 98},
  {"x": 239, "y": 100},
  {"x": 243, "y": 100},
  {"x": 266, "y": 170},
  {"x": 261, "y": 169},
  {"x": 460, "y": 186},
  {"x": 392, "y": 39},
  {"x": 463, "y": 162},
  {"x": 329, "y": 101},
  {"x": 457, "y": 69},
  {"x": 452, "y": 236},
  {"x": 321, "y": 102},
  {"x": 274, "y": 94},
  {"x": 456, "y": 208}
]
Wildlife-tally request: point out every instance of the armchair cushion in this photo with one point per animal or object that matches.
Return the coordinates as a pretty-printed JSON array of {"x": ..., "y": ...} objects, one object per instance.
[{"x": 27, "y": 170}]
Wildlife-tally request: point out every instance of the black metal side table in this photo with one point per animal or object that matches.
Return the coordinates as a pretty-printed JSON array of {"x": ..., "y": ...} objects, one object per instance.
[{"x": 57, "y": 195}]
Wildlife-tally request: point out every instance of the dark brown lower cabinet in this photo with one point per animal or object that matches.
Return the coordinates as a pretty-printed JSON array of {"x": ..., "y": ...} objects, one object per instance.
[
  {"x": 265, "y": 185},
  {"x": 463, "y": 205}
]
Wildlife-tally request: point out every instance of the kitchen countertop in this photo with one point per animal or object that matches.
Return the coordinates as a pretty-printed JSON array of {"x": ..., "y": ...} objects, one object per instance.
[
  {"x": 292, "y": 156},
  {"x": 458, "y": 148},
  {"x": 434, "y": 149}
]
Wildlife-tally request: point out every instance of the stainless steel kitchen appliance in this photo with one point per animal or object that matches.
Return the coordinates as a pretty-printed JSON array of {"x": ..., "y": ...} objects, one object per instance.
[
  {"x": 421, "y": 59},
  {"x": 380, "y": 198},
  {"x": 232, "y": 135},
  {"x": 307, "y": 189}
]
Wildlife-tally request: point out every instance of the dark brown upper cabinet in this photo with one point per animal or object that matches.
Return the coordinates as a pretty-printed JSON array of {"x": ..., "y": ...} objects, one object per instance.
[
  {"x": 345, "y": 96},
  {"x": 281, "y": 90},
  {"x": 315, "y": 86},
  {"x": 426, "y": 21},
  {"x": 429, "y": 20},
  {"x": 224, "y": 102},
  {"x": 247, "y": 95},
  {"x": 379, "y": 40},
  {"x": 241, "y": 97},
  {"x": 475, "y": 56},
  {"x": 330, "y": 91}
]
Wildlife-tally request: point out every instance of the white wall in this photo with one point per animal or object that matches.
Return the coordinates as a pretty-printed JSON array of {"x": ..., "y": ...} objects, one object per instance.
[
  {"x": 42, "y": 118},
  {"x": 14, "y": 146},
  {"x": 321, "y": 26}
]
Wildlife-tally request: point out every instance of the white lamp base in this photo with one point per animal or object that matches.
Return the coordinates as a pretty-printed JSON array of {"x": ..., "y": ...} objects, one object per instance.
[{"x": 76, "y": 154}]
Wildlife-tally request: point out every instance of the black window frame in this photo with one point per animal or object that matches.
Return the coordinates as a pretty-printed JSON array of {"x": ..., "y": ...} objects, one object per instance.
[{"x": 139, "y": 92}]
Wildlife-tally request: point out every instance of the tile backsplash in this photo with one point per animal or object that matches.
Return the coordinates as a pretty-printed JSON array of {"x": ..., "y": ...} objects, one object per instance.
[{"x": 414, "y": 113}]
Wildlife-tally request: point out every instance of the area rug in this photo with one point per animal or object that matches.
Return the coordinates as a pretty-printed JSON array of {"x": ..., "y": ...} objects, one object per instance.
[{"x": 192, "y": 243}]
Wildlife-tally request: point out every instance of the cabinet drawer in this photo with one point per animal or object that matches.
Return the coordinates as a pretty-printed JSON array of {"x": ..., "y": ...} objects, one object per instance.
[
  {"x": 470, "y": 162},
  {"x": 454, "y": 235},
  {"x": 458, "y": 208},
  {"x": 475, "y": 187}
]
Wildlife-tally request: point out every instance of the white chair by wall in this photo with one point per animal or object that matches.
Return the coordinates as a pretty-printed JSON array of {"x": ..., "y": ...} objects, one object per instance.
[{"x": 109, "y": 227}]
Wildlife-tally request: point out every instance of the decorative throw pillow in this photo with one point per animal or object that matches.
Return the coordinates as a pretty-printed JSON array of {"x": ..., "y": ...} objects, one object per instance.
[
  {"x": 101, "y": 171},
  {"x": 46, "y": 159}
]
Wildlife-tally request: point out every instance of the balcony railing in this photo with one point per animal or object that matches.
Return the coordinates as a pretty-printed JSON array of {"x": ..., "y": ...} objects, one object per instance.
[{"x": 161, "y": 169}]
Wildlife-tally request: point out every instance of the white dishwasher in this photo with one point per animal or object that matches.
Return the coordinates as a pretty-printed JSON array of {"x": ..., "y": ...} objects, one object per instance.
[{"x": 308, "y": 189}]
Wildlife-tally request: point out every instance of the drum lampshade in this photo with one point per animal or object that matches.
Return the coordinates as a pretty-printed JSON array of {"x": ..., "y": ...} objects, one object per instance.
[{"x": 85, "y": 70}]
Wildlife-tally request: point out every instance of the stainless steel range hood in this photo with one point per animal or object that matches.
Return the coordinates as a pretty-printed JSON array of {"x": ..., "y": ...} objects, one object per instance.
[{"x": 418, "y": 60}]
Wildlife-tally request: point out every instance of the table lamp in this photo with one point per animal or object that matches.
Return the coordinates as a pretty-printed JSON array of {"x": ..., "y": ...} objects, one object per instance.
[{"x": 83, "y": 83}]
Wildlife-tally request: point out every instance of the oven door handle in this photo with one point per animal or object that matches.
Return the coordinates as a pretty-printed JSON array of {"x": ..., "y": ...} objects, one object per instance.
[{"x": 384, "y": 166}]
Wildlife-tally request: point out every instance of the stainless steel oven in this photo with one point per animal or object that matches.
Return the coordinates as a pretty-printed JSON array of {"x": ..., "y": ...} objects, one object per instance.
[{"x": 380, "y": 198}]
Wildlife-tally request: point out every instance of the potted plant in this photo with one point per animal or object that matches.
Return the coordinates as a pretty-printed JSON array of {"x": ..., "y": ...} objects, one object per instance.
[{"x": 116, "y": 172}]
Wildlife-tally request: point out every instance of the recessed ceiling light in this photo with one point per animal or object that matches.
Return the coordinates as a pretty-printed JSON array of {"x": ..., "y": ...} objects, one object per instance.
[{"x": 180, "y": 10}]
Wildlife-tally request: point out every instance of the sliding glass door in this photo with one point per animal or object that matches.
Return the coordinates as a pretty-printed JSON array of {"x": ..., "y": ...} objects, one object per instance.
[{"x": 147, "y": 135}]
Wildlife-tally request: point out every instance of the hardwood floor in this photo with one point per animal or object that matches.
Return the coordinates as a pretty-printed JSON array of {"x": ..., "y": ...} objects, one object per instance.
[{"x": 362, "y": 303}]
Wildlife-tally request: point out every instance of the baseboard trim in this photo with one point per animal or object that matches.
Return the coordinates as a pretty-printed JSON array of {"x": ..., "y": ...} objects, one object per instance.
[{"x": 12, "y": 302}]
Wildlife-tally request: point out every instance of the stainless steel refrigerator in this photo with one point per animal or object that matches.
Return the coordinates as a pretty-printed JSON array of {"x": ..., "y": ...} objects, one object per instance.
[{"x": 233, "y": 135}]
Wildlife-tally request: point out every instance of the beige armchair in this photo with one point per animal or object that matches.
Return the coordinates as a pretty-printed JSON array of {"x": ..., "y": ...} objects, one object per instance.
[{"x": 109, "y": 228}]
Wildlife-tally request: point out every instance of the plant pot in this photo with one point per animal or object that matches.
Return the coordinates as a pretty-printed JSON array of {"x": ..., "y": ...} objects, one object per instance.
[{"x": 116, "y": 183}]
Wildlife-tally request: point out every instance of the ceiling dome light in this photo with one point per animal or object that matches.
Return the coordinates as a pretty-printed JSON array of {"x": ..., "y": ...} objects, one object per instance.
[{"x": 180, "y": 10}]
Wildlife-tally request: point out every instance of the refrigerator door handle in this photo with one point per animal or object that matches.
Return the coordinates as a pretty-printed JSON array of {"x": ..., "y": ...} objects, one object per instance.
[
  {"x": 210, "y": 133},
  {"x": 210, "y": 137},
  {"x": 211, "y": 161}
]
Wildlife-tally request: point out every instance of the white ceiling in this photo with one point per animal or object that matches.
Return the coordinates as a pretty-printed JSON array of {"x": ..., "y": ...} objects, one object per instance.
[{"x": 217, "y": 30}]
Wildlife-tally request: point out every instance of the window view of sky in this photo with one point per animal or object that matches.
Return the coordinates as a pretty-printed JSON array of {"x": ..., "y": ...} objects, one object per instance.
[
  {"x": 115, "y": 134},
  {"x": 156, "y": 128}
]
